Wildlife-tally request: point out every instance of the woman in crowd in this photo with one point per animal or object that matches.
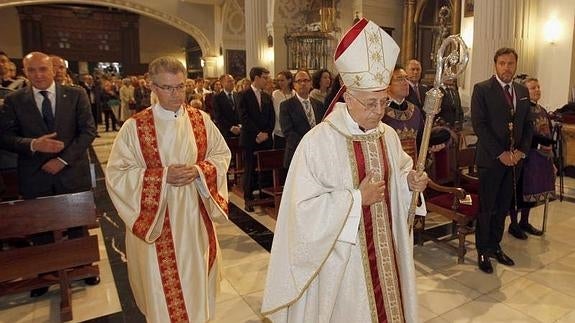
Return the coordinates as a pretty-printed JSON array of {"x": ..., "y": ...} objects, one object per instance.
[
  {"x": 285, "y": 91},
  {"x": 537, "y": 179},
  {"x": 321, "y": 82},
  {"x": 109, "y": 100}
]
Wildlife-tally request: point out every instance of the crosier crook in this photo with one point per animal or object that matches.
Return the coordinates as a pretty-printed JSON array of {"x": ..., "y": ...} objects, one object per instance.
[{"x": 447, "y": 68}]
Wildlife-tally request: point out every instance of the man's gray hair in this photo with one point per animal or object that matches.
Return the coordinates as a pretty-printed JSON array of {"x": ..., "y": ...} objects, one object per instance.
[{"x": 165, "y": 64}]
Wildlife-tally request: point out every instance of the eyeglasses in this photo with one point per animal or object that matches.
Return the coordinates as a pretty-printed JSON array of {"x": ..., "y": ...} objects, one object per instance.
[
  {"x": 372, "y": 103},
  {"x": 301, "y": 81},
  {"x": 171, "y": 89}
]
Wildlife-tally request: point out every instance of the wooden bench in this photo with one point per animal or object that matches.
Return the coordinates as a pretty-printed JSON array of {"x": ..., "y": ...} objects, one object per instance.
[
  {"x": 60, "y": 262},
  {"x": 10, "y": 179}
]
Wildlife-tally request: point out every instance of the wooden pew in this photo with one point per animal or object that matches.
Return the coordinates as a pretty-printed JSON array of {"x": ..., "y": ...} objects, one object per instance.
[
  {"x": 10, "y": 181},
  {"x": 60, "y": 262}
]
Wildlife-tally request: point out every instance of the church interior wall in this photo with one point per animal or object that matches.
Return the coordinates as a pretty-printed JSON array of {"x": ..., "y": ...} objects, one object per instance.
[
  {"x": 159, "y": 39},
  {"x": 555, "y": 65},
  {"x": 10, "y": 41}
]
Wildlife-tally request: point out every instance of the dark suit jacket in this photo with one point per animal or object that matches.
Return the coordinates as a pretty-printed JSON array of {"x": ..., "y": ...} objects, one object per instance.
[
  {"x": 412, "y": 97},
  {"x": 226, "y": 113},
  {"x": 490, "y": 115},
  {"x": 21, "y": 121},
  {"x": 253, "y": 120},
  {"x": 451, "y": 111},
  {"x": 294, "y": 123}
]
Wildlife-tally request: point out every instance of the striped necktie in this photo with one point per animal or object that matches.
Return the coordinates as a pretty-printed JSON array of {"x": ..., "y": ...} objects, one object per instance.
[
  {"x": 47, "y": 114},
  {"x": 309, "y": 113}
]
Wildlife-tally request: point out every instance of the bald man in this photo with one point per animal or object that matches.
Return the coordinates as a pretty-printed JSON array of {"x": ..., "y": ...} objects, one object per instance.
[
  {"x": 50, "y": 127},
  {"x": 60, "y": 70},
  {"x": 416, "y": 89}
]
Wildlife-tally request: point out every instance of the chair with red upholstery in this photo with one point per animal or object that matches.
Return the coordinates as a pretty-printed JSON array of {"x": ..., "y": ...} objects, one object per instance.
[{"x": 460, "y": 203}]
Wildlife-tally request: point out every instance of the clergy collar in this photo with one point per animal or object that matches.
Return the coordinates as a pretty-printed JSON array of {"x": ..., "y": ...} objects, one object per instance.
[
  {"x": 165, "y": 114},
  {"x": 398, "y": 102}
]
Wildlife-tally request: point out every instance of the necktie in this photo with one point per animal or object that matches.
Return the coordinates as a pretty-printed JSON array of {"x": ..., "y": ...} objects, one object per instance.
[
  {"x": 231, "y": 98},
  {"x": 508, "y": 96},
  {"x": 309, "y": 113},
  {"x": 259, "y": 98},
  {"x": 47, "y": 114},
  {"x": 416, "y": 90}
]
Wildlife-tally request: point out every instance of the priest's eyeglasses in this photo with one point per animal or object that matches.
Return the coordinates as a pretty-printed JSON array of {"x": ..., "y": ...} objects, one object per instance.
[
  {"x": 171, "y": 89},
  {"x": 372, "y": 103}
]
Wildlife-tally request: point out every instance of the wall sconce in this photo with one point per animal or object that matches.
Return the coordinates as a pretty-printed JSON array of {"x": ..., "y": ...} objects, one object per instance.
[
  {"x": 202, "y": 62},
  {"x": 270, "y": 41},
  {"x": 552, "y": 30}
]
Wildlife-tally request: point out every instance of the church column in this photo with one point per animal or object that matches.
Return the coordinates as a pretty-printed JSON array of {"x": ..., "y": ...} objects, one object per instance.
[
  {"x": 497, "y": 24},
  {"x": 455, "y": 17},
  {"x": 256, "y": 34},
  {"x": 214, "y": 62},
  {"x": 408, "y": 39}
]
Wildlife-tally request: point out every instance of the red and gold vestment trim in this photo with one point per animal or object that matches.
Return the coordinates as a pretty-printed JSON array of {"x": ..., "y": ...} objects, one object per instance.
[
  {"x": 376, "y": 236},
  {"x": 152, "y": 187}
]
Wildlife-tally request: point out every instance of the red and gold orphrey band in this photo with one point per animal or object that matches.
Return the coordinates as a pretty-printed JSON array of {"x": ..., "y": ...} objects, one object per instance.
[
  {"x": 376, "y": 237},
  {"x": 150, "y": 203}
]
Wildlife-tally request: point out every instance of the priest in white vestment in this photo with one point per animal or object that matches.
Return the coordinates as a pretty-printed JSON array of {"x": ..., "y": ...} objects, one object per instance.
[
  {"x": 342, "y": 250},
  {"x": 166, "y": 176}
]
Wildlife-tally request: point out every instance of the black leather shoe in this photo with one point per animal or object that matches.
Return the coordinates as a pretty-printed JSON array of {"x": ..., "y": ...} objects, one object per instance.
[
  {"x": 531, "y": 229},
  {"x": 484, "y": 263},
  {"x": 502, "y": 258},
  {"x": 92, "y": 280},
  {"x": 38, "y": 292},
  {"x": 516, "y": 231}
]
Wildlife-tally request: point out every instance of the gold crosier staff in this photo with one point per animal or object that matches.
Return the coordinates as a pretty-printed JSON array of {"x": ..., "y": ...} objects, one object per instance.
[{"x": 447, "y": 68}]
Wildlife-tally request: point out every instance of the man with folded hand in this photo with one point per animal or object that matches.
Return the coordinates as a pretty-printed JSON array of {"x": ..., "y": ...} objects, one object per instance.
[{"x": 500, "y": 115}]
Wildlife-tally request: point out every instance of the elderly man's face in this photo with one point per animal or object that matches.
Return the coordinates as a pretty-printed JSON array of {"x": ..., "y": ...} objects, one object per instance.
[
  {"x": 39, "y": 70},
  {"x": 366, "y": 107},
  {"x": 414, "y": 71},
  {"x": 59, "y": 69}
]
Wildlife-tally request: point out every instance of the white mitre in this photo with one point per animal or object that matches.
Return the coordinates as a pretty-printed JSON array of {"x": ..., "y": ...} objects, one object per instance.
[{"x": 365, "y": 57}]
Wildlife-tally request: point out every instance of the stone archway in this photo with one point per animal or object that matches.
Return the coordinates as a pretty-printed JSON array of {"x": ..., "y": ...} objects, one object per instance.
[{"x": 137, "y": 7}]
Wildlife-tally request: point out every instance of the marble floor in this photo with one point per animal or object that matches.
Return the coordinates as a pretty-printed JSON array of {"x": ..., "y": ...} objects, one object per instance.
[{"x": 539, "y": 288}]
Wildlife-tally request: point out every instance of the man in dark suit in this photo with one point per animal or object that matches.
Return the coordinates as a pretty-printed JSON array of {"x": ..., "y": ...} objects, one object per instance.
[
  {"x": 225, "y": 108},
  {"x": 299, "y": 114},
  {"x": 257, "y": 117},
  {"x": 50, "y": 127},
  {"x": 417, "y": 90},
  {"x": 498, "y": 105},
  {"x": 88, "y": 84},
  {"x": 451, "y": 111}
]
